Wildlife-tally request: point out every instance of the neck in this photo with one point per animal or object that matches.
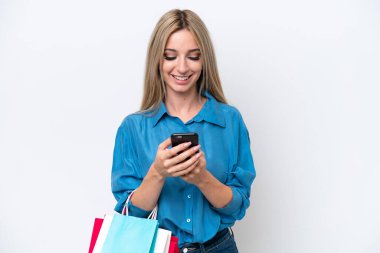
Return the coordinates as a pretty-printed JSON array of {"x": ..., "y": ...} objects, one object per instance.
[{"x": 181, "y": 105}]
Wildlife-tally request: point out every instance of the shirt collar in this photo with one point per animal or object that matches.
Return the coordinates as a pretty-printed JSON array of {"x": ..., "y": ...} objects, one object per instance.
[
  {"x": 211, "y": 112},
  {"x": 157, "y": 115}
]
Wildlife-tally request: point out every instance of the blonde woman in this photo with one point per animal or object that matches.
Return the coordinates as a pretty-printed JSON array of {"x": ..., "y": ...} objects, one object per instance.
[{"x": 200, "y": 191}]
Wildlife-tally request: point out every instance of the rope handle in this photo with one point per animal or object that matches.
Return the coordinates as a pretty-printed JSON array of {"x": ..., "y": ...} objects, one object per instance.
[{"x": 152, "y": 215}]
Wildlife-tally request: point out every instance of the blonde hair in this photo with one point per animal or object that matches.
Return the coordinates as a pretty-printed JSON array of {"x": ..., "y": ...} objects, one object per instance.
[{"x": 170, "y": 22}]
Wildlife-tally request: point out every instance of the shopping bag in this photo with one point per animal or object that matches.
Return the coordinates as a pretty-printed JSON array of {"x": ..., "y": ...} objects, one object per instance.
[
  {"x": 162, "y": 241},
  {"x": 161, "y": 245},
  {"x": 173, "y": 248},
  {"x": 103, "y": 233},
  {"x": 128, "y": 234},
  {"x": 95, "y": 232}
]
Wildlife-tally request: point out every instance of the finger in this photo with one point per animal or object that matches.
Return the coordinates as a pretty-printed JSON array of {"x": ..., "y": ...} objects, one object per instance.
[
  {"x": 202, "y": 160},
  {"x": 169, "y": 153},
  {"x": 186, "y": 171},
  {"x": 195, "y": 171},
  {"x": 180, "y": 158},
  {"x": 184, "y": 165},
  {"x": 181, "y": 147},
  {"x": 165, "y": 144},
  {"x": 184, "y": 155},
  {"x": 188, "y": 176}
]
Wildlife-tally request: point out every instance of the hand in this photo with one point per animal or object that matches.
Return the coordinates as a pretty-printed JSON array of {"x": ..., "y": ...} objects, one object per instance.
[
  {"x": 169, "y": 164},
  {"x": 196, "y": 175}
]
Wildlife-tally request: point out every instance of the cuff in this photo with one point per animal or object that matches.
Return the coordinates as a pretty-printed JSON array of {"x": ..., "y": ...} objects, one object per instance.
[
  {"x": 234, "y": 204},
  {"x": 120, "y": 203},
  {"x": 132, "y": 209},
  {"x": 137, "y": 211}
]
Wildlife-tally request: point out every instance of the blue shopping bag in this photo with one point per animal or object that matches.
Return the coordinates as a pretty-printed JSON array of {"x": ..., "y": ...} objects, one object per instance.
[{"x": 128, "y": 234}]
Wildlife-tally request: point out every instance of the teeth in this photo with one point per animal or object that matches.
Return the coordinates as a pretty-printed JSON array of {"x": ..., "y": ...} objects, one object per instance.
[{"x": 181, "y": 78}]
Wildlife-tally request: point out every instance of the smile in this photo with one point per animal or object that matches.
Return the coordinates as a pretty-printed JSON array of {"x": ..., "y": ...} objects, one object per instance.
[{"x": 181, "y": 78}]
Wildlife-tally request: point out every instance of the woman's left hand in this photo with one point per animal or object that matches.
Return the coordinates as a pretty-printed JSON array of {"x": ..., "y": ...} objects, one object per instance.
[{"x": 199, "y": 172}]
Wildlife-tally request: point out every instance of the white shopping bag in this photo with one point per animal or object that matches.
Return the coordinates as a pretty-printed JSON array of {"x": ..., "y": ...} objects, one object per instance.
[
  {"x": 162, "y": 241},
  {"x": 103, "y": 233}
]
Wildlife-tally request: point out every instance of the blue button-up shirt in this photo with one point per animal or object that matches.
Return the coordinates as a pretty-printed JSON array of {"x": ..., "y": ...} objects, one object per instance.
[{"x": 182, "y": 208}]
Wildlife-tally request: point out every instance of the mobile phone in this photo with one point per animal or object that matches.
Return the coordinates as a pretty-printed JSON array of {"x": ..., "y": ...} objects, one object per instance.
[{"x": 178, "y": 138}]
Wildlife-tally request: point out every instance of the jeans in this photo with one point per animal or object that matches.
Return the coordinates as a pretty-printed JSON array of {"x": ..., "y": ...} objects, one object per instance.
[{"x": 225, "y": 244}]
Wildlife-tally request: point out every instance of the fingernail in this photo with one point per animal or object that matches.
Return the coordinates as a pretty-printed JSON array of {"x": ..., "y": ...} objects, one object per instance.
[
  {"x": 197, "y": 147},
  {"x": 187, "y": 144}
]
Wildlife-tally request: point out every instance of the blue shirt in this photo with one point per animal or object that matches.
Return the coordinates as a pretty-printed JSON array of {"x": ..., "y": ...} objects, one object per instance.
[{"x": 182, "y": 208}]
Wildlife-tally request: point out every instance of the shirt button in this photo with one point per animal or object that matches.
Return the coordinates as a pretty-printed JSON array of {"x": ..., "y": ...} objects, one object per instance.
[
  {"x": 188, "y": 220},
  {"x": 189, "y": 196}
]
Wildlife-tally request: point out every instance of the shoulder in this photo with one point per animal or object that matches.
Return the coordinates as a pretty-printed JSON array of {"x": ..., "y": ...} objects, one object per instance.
[
  {"x": 136, "y": 121},
  {"x": 230, "y": 112},
  {"x": 227, "y": 110},
  {"x": 230, "y": 109},
  {"x": 234, "y": 119},
  {"x": 132, "y": 119}
]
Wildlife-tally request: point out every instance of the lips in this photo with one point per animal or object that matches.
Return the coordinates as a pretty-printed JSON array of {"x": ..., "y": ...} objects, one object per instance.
[{"x": 181, "y": 78}]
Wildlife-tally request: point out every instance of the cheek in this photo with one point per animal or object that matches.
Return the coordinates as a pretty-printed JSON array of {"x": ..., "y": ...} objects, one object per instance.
[
  {"x": 166, "y": 67},
  {"x": 196, "y": 67}
]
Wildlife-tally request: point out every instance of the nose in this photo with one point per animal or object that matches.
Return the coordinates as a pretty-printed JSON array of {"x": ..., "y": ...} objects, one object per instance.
[{"x": 182, "y": 66}]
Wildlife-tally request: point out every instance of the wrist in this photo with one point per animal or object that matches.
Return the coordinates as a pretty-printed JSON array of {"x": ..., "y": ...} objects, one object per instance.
[
  {"x": 155, "y": 174},
  {"x": 205, "y": 180}
]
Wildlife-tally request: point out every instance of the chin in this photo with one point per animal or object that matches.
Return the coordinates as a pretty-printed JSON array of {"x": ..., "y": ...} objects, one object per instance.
[{"x": 182, "y": 89}]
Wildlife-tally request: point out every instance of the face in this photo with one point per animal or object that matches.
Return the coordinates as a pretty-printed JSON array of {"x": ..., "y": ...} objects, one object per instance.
[{"x": 182, "y": 65}]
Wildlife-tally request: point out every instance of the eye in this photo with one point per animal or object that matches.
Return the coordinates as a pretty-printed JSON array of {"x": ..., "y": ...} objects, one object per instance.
[
  {"x": 169, "y": 58},
  {"x": 194, "y": 58}
]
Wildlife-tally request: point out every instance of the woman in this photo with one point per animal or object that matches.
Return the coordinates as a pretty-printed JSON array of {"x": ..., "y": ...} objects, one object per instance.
[{"x": 202, "y": 191}]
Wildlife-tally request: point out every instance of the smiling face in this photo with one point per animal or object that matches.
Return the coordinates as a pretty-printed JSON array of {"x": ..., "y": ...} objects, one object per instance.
[{"x": 181, "y": 66}]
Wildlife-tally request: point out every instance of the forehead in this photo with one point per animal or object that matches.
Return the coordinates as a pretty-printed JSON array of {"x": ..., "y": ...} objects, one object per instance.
[{"x": 182, "y": 39}]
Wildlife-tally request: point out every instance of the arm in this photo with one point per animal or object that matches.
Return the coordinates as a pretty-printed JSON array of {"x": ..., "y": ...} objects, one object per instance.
[
  {"x": 146, "y": 195},
  {"x": 240, "y": 177},
  {"x": 232, "y": 198},
  {"x": 165, "y": 165},
  {"x": 218, "y": 194},
  {"x": 126, "y": 176}
]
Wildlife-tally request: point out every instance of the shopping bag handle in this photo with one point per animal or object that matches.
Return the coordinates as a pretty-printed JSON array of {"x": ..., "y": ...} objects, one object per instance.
[{"x": 152, "y": 215}]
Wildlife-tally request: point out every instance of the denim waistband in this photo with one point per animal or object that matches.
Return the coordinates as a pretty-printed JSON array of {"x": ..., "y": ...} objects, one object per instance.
[{"x": 209, "y": 243}]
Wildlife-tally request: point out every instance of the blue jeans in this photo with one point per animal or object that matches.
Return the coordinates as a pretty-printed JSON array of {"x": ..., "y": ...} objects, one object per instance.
[{"x": 224, "y": 244}]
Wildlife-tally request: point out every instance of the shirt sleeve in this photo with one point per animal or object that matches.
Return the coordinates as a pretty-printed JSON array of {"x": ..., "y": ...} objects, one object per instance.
[
  {"x": 126, "y": 176},
  {"x": 240, "y": 178}
]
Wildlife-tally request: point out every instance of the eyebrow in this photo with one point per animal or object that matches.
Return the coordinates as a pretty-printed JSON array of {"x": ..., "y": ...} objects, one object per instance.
[{"x": 190, "y": 51}]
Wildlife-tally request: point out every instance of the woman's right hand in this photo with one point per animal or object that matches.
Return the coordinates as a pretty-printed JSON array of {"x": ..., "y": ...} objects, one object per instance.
[{"x": 169, "y": 164}]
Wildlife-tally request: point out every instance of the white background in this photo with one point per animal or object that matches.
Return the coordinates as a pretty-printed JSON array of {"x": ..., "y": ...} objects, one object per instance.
[{"x": 304, "y": 74}]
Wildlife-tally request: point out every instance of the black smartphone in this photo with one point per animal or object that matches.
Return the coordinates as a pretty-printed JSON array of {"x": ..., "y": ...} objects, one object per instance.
[{"x": 179, "y": 138}]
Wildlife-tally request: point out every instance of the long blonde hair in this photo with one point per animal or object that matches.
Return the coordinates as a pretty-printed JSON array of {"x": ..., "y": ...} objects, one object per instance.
[{"x": 170, "y": 22}]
